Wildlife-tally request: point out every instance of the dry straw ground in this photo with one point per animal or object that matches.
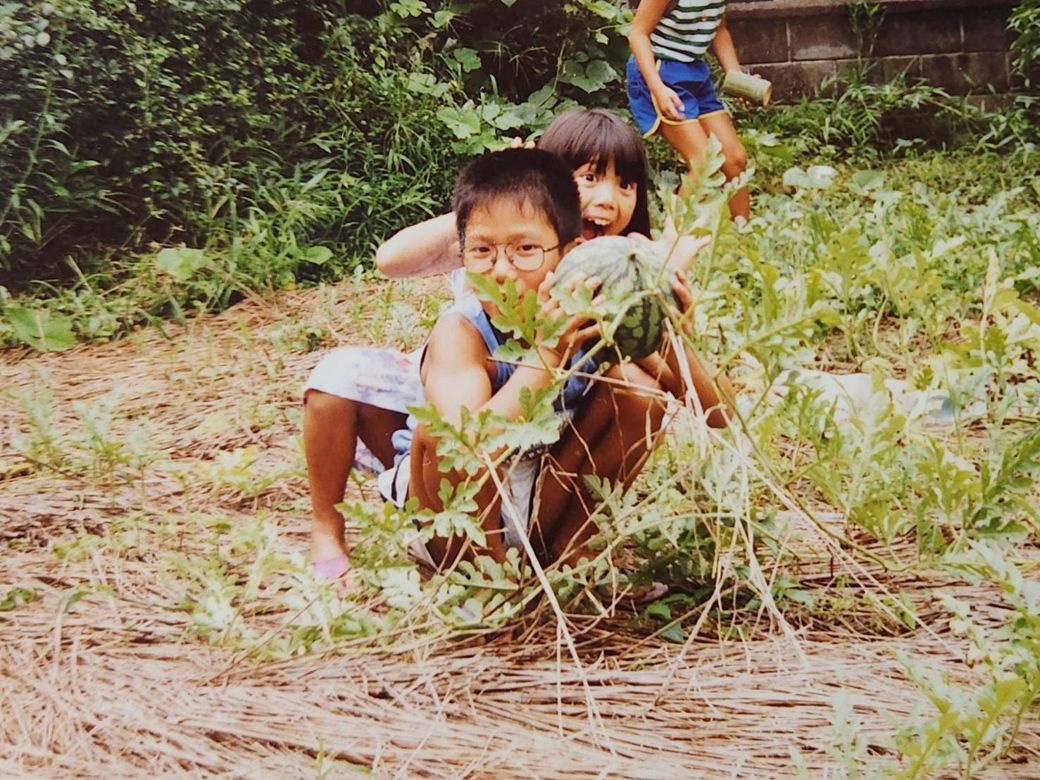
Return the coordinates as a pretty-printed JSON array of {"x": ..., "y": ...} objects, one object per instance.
[{"x": 100, "y": 674}]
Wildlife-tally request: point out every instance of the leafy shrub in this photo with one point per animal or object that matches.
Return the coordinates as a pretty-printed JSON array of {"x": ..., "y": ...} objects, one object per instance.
[
  {"x": 158, "y": 122},
  {"x": 1024, "y": 22},
  {"x": 283, "y": 141},
  {"x": 170, "y": 122},
  {"x": 856, "y": 115}
]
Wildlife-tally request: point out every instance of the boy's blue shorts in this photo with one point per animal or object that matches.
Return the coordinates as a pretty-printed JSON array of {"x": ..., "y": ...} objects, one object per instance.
[{"x": 691, "y": 81}]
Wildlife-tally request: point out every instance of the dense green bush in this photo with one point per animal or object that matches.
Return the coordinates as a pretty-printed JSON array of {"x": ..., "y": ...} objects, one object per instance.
[
  {"x": 283, "y": 140},
  {"x": 259, "y": 142},
  {"x": 856, "y": 115},
  {"x": 1024, "y": 23},
  {"x": 154, "y": 121}
]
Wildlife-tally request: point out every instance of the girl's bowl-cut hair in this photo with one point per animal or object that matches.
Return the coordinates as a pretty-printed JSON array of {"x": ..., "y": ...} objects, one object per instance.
[{"x": 597, "y": 136}]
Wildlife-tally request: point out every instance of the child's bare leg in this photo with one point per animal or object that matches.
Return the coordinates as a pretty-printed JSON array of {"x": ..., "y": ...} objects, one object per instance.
[
  {"x": 690, "y": 140},
  {"x": 424, "y": 485},
  {"x": 331, "y": 426},
  {"x": 375, "y": 427},
  {"x": 721, "y": 126},
  {"x": 612, "y": 437}
]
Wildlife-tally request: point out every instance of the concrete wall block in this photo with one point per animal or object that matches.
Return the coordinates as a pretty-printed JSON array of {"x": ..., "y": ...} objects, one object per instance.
[
  {"x": 960, "y": 74},
  {"x": 888, "y": 68},
  {"x": 822, "y": 38},
  {"x": 791, "y": 80},
  {"x": 959, "y": 45},
  {"x": 760, "y": 40},
  {"x": 790, "y": 9},
  {"x": 927, "y": 32},
  {"x": 986, "y": 30}
]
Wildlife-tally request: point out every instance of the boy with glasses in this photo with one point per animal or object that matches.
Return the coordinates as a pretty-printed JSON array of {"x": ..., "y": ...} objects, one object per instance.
[{"x": 518, "y": 213}]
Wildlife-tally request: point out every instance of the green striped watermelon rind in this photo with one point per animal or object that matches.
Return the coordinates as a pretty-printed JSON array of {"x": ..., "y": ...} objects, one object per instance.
[{"x": 637, "y": 287}]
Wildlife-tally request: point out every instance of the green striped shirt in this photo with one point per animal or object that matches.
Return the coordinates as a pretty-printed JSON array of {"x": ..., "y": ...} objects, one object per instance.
[{"x": 686, "y": 31}]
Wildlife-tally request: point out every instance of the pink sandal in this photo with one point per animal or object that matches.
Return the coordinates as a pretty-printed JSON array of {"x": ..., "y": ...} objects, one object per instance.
[{"x": 331, "y": 569}]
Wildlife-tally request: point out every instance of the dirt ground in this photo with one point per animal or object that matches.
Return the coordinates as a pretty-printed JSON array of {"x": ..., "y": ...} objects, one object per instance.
[{"x": 120, "y": 460}]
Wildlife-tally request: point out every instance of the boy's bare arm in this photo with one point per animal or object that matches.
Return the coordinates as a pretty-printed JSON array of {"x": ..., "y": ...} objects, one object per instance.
[
  {"x": 427, "y": 248},
  {"x": 453, "y": 370},
  {"x": 455, "y": 375},
  {"x": 454, "y": 378},
  {"x": 725, "y": 51},
  {"x": 646, "y": 19},
  {"x": 712, "y": 387}
]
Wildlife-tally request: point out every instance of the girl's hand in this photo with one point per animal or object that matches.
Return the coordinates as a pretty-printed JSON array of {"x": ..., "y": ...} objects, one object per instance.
[
  {"x": 669, "y": 104},
  {"x": 681, "y": 251},
  {"x": 577, "y": 329},
  {"x": 661, "y": 365},
  {"x": 684, "y": 298}
]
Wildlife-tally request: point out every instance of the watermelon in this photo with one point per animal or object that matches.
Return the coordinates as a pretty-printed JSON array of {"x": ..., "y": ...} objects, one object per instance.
[{"x": 637, "y": 288}]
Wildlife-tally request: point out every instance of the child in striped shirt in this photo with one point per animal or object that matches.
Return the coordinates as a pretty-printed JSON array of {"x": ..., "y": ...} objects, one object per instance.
[{"x": 670, "y": 87}]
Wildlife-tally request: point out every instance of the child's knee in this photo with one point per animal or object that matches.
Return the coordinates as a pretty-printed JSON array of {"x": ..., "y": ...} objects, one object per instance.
[
  {"x": 638, "y": 394},
  {"x": 630, "y": 377},
  {"x": 736, "y": 161},
  {"x": 426, "y": 472},
  {"x": 320, "y": 404},
  {"x": 423, "y": 444},
  {"x": 422, "y": 438},
  {"x": 419, "y": 466}
]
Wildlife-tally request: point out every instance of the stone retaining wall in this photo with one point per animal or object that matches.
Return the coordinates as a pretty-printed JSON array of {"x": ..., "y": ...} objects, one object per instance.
[{"x": 959, "y": 45}]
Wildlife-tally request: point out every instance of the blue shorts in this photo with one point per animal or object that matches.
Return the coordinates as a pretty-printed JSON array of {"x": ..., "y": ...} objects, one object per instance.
[{"x": 691, "y": 81}]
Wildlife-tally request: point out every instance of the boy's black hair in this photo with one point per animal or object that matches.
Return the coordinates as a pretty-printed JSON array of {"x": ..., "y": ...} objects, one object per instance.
[
  {"x": 528, "y": 177},
  {"x": 597, "y": 136}
]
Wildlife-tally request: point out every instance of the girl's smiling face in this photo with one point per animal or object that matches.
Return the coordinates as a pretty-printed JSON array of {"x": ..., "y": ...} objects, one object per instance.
[{"x": 607, "y": 200}]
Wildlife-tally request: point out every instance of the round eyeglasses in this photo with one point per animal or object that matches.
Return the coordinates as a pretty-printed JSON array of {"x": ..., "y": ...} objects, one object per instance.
[{"x": 524, "y": 256}]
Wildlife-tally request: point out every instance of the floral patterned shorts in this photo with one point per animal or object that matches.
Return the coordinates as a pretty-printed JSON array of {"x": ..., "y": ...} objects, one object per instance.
[{"x": 378, "y": 377}]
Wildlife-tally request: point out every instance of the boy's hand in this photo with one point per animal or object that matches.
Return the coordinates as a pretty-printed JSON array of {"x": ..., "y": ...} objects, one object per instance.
[
  {"x": 577, "y": 329},
  {"x": 669, "y": 104}
]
